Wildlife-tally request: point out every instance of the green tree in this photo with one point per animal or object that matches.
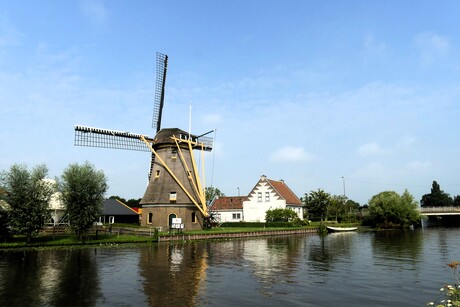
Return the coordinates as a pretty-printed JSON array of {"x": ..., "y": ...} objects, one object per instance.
[
  {"x": 351, "y": 210},
  {"x": 390, "y": 210},
  {"x": 83, "y": 188},
  {"x": 28, "y": 195},
  {"x": 280, "y": 215},
  {"x": 212, "y": 192},
  {"x": 317, "y": 203},
  {"x": 337, "y": 207},
  {"x": 456, "y": 202},
  {"x": 437, "y": 197}
]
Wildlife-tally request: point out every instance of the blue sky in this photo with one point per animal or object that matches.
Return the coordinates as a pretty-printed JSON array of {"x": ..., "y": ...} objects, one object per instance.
[{"x": 305, "y": 91}]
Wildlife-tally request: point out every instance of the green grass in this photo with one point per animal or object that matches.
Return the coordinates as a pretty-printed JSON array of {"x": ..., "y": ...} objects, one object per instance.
[{"x": 69, "y": 240}]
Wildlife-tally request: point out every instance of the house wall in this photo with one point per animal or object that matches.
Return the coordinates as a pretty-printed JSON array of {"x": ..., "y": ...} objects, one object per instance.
[
  {"x": 229, "y": 216},
  {"x": 256, "y": 206},
  {"x": 298, "y": 210}
]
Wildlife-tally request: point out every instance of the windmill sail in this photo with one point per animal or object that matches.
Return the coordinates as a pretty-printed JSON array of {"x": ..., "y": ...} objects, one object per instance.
[
  {"x": 162, "y": 66},
  {"x": 105, "y": 138}
]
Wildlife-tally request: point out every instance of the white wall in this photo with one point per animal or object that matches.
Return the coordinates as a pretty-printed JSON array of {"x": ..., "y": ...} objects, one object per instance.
[
  {"x": 255, "y": 207},
  {"x": 227, "y": 216}
]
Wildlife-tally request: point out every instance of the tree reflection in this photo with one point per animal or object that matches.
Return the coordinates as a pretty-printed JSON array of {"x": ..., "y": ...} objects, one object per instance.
[
  {"x": 400, "y": 246},
  {"x": 79, "y": 283},
  {"x": 20, "y": 279}
]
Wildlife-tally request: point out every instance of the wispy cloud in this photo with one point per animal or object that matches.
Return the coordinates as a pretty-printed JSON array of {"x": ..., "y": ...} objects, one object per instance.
[
  {"x": 419, "y": 165},
  {"x": 433, "y": 47},
  {"x": 95, "y": 11},
  {"x": 291, "y": 154},
  {"x": 372, "y": 149}
]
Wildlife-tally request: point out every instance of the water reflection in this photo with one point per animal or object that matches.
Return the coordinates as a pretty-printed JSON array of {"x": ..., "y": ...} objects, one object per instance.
[
  {"x": 78, "y": 284},
  {"x": 360, "y": 269},
  {"x": 273, "y": 261},
  {"x": 48, "y": 277},
  {"x": 173, "y": 273},
  {"x": 391, "y": 248},
  {"x": 325, "y": 250}
]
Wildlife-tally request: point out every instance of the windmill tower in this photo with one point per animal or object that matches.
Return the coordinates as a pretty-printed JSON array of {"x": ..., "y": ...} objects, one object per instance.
[{"x": 175, "y": 194}]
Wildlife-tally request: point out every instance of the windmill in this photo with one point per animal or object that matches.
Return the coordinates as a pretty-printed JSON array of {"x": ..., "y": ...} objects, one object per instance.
[{"x": 175, "y": 195}]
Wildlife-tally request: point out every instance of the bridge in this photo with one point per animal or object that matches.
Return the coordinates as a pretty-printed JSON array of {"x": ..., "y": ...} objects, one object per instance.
[{"x": 438, "y": 211}]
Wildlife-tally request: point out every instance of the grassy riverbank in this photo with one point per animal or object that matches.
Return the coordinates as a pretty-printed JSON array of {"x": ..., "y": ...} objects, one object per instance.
[{"x": 117, "y": 237}]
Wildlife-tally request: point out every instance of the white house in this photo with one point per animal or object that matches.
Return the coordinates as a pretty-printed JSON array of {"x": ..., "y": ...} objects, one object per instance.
[
  {"x": 228, "y": 209},
  {"x": 267, "y": 194}
]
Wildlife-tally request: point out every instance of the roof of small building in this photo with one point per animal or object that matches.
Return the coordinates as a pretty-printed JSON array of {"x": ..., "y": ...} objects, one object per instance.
[
  {"x": 280, "y": 187},
  {"x": 115, "y": 207},
  {"x": 229, "y": 203},
  {"x": 285, "y": 192}
]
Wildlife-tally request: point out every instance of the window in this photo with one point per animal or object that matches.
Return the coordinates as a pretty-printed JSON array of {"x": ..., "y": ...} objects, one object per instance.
[
  {"x": 157, "y": 173},
  {"x": 236, "y": 216},
  {"x": 193, "y": 217},
  {"x": 259, "y": 197},
  {"x": 267, "y": 196},
  {"x": 149, "y": 218},
  {"x": 172, "y": 196},
  {"x": 173, "y": 153}
]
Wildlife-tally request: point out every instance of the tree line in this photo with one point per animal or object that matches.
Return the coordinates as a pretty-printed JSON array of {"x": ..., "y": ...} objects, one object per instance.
[
  {"x": 387, "y": 209},
  {"x": 81, "y": 189}
]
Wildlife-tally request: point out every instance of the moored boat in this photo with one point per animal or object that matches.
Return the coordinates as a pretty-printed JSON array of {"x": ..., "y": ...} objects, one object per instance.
[{"x": 340, "y": 229}]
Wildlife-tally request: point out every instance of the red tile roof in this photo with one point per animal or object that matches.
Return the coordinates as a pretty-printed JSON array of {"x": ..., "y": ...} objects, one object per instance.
[
  {"x": 283, "y": 190},
  {"x": 229, "y": 202}
]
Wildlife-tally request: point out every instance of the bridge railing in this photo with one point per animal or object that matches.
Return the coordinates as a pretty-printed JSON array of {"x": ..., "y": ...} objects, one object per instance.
[{"x": 439, "y": 210}]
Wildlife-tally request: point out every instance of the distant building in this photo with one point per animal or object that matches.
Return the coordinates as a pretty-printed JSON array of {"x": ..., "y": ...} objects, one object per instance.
[
  {"x": 266, "y": 195},
  {"x": 114, "y": 211}
]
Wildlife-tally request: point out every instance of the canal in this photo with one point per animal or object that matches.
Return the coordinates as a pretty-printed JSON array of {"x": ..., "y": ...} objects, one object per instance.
[{"x": 350, "y": 269}]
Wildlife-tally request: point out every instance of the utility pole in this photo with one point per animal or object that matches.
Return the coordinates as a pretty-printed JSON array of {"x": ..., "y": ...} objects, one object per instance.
[{"x": 343, "y": 180}]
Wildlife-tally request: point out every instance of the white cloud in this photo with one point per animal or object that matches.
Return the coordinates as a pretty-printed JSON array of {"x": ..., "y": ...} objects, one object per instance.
[
  {"x": 372, "y": 149},
  {"x": 290, "y": 154},
  {"x": 432, "y": 47},
  {"x": 419, "y": 165},
  {"x": 374, "y": 48},
  {"x": 213, "y": 118},
  {"x": 95, "y": 11}
]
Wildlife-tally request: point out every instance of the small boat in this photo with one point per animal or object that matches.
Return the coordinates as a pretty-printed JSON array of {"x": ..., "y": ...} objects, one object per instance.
[{"x": 340, "y": 229}]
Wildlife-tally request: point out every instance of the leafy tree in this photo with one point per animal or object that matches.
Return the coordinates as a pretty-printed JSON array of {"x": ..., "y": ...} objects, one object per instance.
[
  {"x": 437, "y": 197},
  {"x": 212, "y": 192},
  {"x": 456, "y": 202},
  {"x": 389, "y": 210},
  {"x": 28, "y": 195},
  {"x": 130, "y": 202},
  {"x": 133, "y": 202},
  {"x": 280, "y": 215},
  {"x": 83, "y": 188},
  {"x": 352, "y": 210},
  {"x": 337, "y": 206},
  {"x": 317, "y": 203}
]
